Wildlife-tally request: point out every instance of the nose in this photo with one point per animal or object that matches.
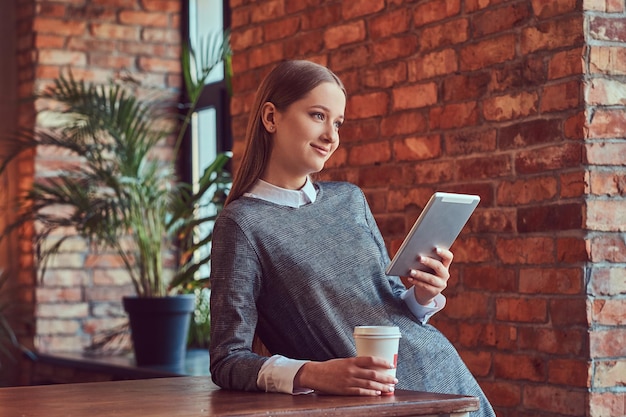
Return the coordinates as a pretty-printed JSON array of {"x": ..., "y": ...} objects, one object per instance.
[{"x": 331, "y": 133}]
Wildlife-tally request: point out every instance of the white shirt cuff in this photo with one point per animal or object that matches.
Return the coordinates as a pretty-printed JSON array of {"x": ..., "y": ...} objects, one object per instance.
[
  {"x": 277, "y": 375},
  {"x": 423, "y": 313}
]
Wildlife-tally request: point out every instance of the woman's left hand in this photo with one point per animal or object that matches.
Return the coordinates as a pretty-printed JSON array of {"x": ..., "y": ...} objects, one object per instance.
[{"x": 428, "y": 285}]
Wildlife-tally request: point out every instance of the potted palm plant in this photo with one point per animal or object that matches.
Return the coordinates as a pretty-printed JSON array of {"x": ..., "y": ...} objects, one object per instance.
[{"x": 121, "y": 197}]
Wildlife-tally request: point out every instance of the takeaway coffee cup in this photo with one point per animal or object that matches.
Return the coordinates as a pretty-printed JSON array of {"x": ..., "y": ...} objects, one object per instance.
[{"x": 381, "y": 341}]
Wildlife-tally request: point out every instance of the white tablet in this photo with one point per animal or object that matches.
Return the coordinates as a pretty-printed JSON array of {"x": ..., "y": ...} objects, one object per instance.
[{"x": 438, "y": 225}]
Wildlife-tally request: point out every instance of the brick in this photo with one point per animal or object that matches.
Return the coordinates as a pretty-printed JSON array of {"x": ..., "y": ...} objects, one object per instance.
[
  {"x": 446, "y": 34},
  {"x": 551, "y": 281},
  {"x": 606, "y": 404},
  {"x": 606, "y": 215},
  {"x": 414, "y": 96},
  {"x": 58, "y": 27},
  {"x": 553, "y": 34},
  {"x": 393, "y": 48},
  {"x": 607, "y": 153},
  {"x": 55, "y": 327},
  {"x": 432, "y": 172},
  {"x": 484, "y": 167},
  {"x": 65, "y": 310},
  {"x": 359, "y": 8},
  {"x": 560, "y": 341},
  {"x": 388, "y": 23},
  {"x": 606, "y": 92},
  {"x": 607, "y": 29},
  {"x": 550, "y": 217},
  {"x": 403, "y": 123},
  {"x": 59, "y": 57},
  {"x": 49, "y": 41},
  {"x": 433, "y": 64},
  {"x": 165, "y": 6},
  {"x": 566, "y": 63},
  {"x": 548, "y": 158},
  {"x": 478, "y": 362},
  {"x": 502, "y": 393},
  {"x": 355, "y": 57},
  {"x": 557, "y": 400},
  {"x": 368, "y": 105},
  {"x": 472, "y": 250},
  {"x": 489, "y": 278},
  {"x": 141, "y": 18},
  {"x": 239, "y": 18},
  {"x": 568, "y": 311},
  {"x": 500, "y": 20},
  {"x": 607, "y": 281},
  {"x": 417, "y": 148},
  {"x": 524, "y": 310},
  {"x": 267, "y": 11},
  {"x": 338, "y": 159},
  {"x": 434, "y": 10},
  {"x": 573, "y": 184},
  {"x": 455, "y": 115},
  {"x": 388, "y": 76},
  {"x": 525, "y": 191},
  {"x": 279, "y": 30},
  {"x": 114, "y": 62},
  {"x": 608, "y": 312},
  {"x": 55, "y": 295},
  {"x": 322, "y": 16},
  {"x": 336, "y": 36},
  {"x": 528, "y": 133},
  {"x": 518, "y": 367},
  {"x": 162, "y": 36},
  {"x": 571, "y": 250},
  {"x": 465, "y": 86},
  {"x": 114, "y": 31},
  {"x": 467, "y": 143},
  {"x": 66, "y": 261},
  {"x": 525, "y": 251},
  {"x": 380, "y": 176},
  {"x": 102, "y": 293},
  {"x": 607, "y": 60},
  {"x": 493, "y": 220},
  {"x": 363, "y": 130},
  {"x": 607, "y": 183},
  {"x": 369, "y": 153},
  {"x": 467, "y": 305},
  {"x": 609, "y": 374},
  {"x": 543, "y": 9},
  {"x": 486, "y": 53},
  {"x": 559, "y": 97},
  {"x": 571, "y": 372},
  {"x": 607, "y": 248},
  {"x": 608, "y": 343},
  {"x": 513, "y": 106},
  {"x": 417, "y": 196}
]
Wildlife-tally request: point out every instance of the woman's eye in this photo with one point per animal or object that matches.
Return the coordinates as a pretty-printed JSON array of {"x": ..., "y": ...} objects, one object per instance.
[
  {"x": 318, "y": 115},
  {"x": 338, "y": 124}
]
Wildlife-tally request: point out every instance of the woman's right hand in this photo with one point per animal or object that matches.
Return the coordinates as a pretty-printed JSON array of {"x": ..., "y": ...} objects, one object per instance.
[{"x": 362, "y": 375}]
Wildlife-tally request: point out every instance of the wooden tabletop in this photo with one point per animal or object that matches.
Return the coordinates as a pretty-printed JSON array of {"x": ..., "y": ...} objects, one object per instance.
[{"x": 198, "y": 396}]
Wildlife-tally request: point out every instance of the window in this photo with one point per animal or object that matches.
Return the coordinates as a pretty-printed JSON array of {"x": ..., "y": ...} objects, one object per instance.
[{"x": 209, "y": 132}]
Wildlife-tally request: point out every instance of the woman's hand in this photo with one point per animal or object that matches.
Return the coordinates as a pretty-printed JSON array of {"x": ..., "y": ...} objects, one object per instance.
[
  {"x": 428, "y": 285},
  {"x": 362, "y": 375}
]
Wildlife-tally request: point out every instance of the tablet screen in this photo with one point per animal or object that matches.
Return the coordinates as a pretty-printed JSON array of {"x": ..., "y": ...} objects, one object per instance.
[{"x": 438, "y": 225}]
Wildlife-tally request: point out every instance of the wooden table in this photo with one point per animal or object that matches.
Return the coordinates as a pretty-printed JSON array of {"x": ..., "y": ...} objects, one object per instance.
[{"x": 198, "y": 396}]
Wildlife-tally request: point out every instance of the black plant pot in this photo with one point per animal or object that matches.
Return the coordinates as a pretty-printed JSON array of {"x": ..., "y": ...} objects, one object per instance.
[{"x": 159, "y": 328}]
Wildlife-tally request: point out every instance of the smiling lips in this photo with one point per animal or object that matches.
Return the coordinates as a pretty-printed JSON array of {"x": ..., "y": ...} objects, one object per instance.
[{"x": 320, "y": 149}]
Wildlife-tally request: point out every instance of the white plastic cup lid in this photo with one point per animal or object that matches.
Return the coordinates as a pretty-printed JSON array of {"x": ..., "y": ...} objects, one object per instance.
[{"x": 377, "y": 331}]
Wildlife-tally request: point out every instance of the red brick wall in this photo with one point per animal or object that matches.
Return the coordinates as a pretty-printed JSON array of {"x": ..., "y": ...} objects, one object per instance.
[
  {"x": 515, "y": 101},
  {"x": 98, "y": 40},
  {"x": 605, "y": 151}
]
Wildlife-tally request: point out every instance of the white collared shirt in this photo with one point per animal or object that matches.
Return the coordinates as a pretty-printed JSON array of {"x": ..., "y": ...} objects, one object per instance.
[{"x": 277, "y": 373}]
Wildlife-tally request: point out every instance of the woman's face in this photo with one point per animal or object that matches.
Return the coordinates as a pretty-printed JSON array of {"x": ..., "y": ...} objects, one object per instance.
[{"x": 304, "y": 135}]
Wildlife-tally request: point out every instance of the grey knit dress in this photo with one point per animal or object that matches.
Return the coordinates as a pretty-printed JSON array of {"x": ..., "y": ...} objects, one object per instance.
[{"x": 303, "y": 278}]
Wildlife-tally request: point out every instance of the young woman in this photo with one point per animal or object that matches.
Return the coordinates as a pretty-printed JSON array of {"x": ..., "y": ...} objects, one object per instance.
[{"x": 301, "y": 264}]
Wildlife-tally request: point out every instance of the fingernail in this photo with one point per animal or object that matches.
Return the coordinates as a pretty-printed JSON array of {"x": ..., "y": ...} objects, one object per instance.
[
  {"x": 438, "y": 250},
  {"x": 395, "y": 381},
  {"x": 391, "y": 388}
]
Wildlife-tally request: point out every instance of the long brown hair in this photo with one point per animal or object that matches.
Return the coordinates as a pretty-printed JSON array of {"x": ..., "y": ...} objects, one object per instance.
[{"x": 288, "y": 82}]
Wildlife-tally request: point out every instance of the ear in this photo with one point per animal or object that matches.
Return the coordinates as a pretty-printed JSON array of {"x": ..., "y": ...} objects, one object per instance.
[{"x": 268, "y": 114}]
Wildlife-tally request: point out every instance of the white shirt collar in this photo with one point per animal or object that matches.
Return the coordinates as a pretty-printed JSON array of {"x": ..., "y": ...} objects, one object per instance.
[{"x": 291, "y": 198}]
